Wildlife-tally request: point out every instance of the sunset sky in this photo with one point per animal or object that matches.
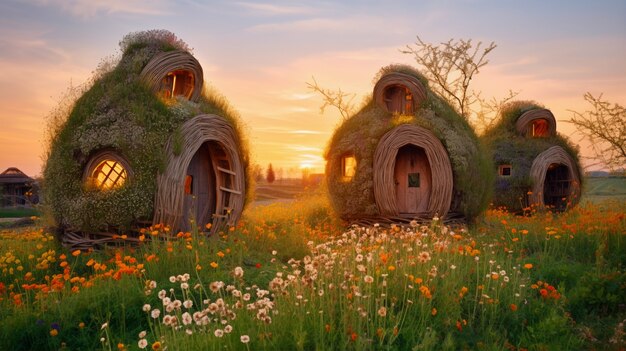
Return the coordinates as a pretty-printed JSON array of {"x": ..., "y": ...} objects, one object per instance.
[{"x": 260, "y": 55}]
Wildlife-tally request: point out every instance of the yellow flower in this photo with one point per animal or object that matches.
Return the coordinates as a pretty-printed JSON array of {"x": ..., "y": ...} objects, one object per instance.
[
  {"x": 54, "y": 332},
  {"x": 81, "y": 325},
  {"x": 391, "y": 268},
  {"x": 220, "y": 254},
  {"x": 214, "y": 264}
]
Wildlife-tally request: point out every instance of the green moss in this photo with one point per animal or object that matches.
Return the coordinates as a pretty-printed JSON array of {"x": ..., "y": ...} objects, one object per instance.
[
  {"x": 118, "y": 112},
  {"x": 361, "y": 134}
]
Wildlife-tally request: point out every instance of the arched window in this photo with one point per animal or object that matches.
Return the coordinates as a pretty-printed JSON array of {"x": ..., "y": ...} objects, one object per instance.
[
  {"x": 538, "y": 128},
  {"x": 177, "y": 83},
  {"x": 399, "y": 99},
  {"x": 107, "y": 170}
]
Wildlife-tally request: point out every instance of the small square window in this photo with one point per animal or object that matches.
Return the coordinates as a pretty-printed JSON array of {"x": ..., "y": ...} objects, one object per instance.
[
  {"x": 414, "y": 180},
  {"x": 348, "y": 167},
  {"x": 504, "y": 170}
]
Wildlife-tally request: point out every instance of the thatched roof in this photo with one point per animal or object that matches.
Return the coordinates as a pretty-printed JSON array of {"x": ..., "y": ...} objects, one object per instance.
[
  {"x": 461, "y": 182},
  {"x": 529, "y": 157},
  {"x": 122, "y": 113},
  {"x": 13, "y": 175}
]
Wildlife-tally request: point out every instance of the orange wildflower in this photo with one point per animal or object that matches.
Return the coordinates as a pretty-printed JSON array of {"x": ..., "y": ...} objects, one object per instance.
[
  {"x": 528, "y": 266},
  {"x": 76, "y": 253}
]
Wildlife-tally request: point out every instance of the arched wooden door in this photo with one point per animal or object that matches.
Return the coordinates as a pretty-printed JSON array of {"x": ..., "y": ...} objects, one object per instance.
[
  {"x": 557, "y": 187},
  {"x": 199, "y": 189},
  {"x": 413, "y": 179}
]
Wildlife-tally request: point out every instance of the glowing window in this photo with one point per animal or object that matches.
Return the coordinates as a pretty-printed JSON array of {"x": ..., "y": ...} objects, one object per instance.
[
  {"x": 539, "y": 128},
  {"x": 348, "y": 167},
  {"x": 399, "y": 99},
  {"x": 177, "y": 83},
  {"x": 504, "y": 170},
  {"x": 109, "y": 174}
]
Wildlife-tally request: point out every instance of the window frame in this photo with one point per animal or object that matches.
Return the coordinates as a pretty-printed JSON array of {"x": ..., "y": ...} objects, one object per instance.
[{"x": 94, "y": 163}]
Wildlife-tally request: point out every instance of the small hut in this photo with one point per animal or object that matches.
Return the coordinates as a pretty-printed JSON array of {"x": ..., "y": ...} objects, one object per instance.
[
  {"x": 406, "y": 155},
  {"x": 146, "y": 143},
  {"x": 16, "y": 188},
  {"x": 534, "y": 166}
]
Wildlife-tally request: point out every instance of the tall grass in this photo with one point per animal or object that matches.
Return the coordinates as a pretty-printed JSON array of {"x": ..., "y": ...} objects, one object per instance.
[{"x": 289, "y": 277}]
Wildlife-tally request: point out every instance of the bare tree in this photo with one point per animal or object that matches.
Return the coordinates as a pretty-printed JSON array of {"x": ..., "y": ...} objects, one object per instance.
[
  {"x": 604, "y": 126},
  {"x": 336, "y": 98},
  {"x": 490, "y": 110},
  {"x": 451, "y": 67},
  {"x": 257, "y": 172}
]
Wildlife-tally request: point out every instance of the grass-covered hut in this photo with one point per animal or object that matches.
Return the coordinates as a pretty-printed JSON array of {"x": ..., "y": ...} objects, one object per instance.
[
  {"x": 406, "y": 155},
  {"x": 146, "y": 144},
  {"x": 534, "y": 165}
]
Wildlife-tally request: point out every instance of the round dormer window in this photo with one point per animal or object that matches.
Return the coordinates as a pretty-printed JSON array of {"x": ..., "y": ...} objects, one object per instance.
[
  {"x": 107, "y": 171},
  {"x": 177, "y": 83}
]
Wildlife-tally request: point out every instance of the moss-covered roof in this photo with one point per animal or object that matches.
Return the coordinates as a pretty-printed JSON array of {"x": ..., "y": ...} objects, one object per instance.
[
  {"x": 361, "y": 133},
  {"x": 509, "y": 147},
  {"x": 119, "y": 112}
]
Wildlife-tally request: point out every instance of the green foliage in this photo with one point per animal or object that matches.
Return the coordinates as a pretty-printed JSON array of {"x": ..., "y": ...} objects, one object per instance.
[
  {"x": 361, "y": 133},
  {"x": 18, "y": 212},
  {"x": 474, "y": 291}
]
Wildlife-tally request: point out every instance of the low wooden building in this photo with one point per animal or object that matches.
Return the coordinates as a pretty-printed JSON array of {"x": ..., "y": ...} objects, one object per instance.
[
  {"x": 147, "y": 144},
  {"x": 406, "y": 155},
  {"x": 16, "y": 188},
  {"x": 535, "y": 167}
]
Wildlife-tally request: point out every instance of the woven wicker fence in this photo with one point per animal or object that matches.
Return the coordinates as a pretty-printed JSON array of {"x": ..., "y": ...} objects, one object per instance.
[
  {"x": 539, "y": 168},
  {"x": 384, "y": 163},
  {"x": 163, "y": 63},
  {"x": 169, "y": 202}
]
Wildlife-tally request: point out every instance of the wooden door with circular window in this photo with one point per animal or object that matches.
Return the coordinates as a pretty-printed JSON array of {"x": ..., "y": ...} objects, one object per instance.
[{"x": 413, "y": 179}]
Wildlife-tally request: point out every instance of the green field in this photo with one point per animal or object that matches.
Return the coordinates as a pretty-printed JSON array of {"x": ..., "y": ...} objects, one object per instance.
[
  {"x": 292, "y": 276},
  {"x": 17, "y": 212},
  {"x": 599, "y": 189}
]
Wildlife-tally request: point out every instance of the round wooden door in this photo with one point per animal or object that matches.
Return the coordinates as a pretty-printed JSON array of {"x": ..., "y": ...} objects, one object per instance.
[{"x": 413, "y": 179}]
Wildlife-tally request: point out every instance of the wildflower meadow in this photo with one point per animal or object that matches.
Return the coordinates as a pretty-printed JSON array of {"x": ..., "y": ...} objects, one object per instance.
[{"x": 291, "y": 276}]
